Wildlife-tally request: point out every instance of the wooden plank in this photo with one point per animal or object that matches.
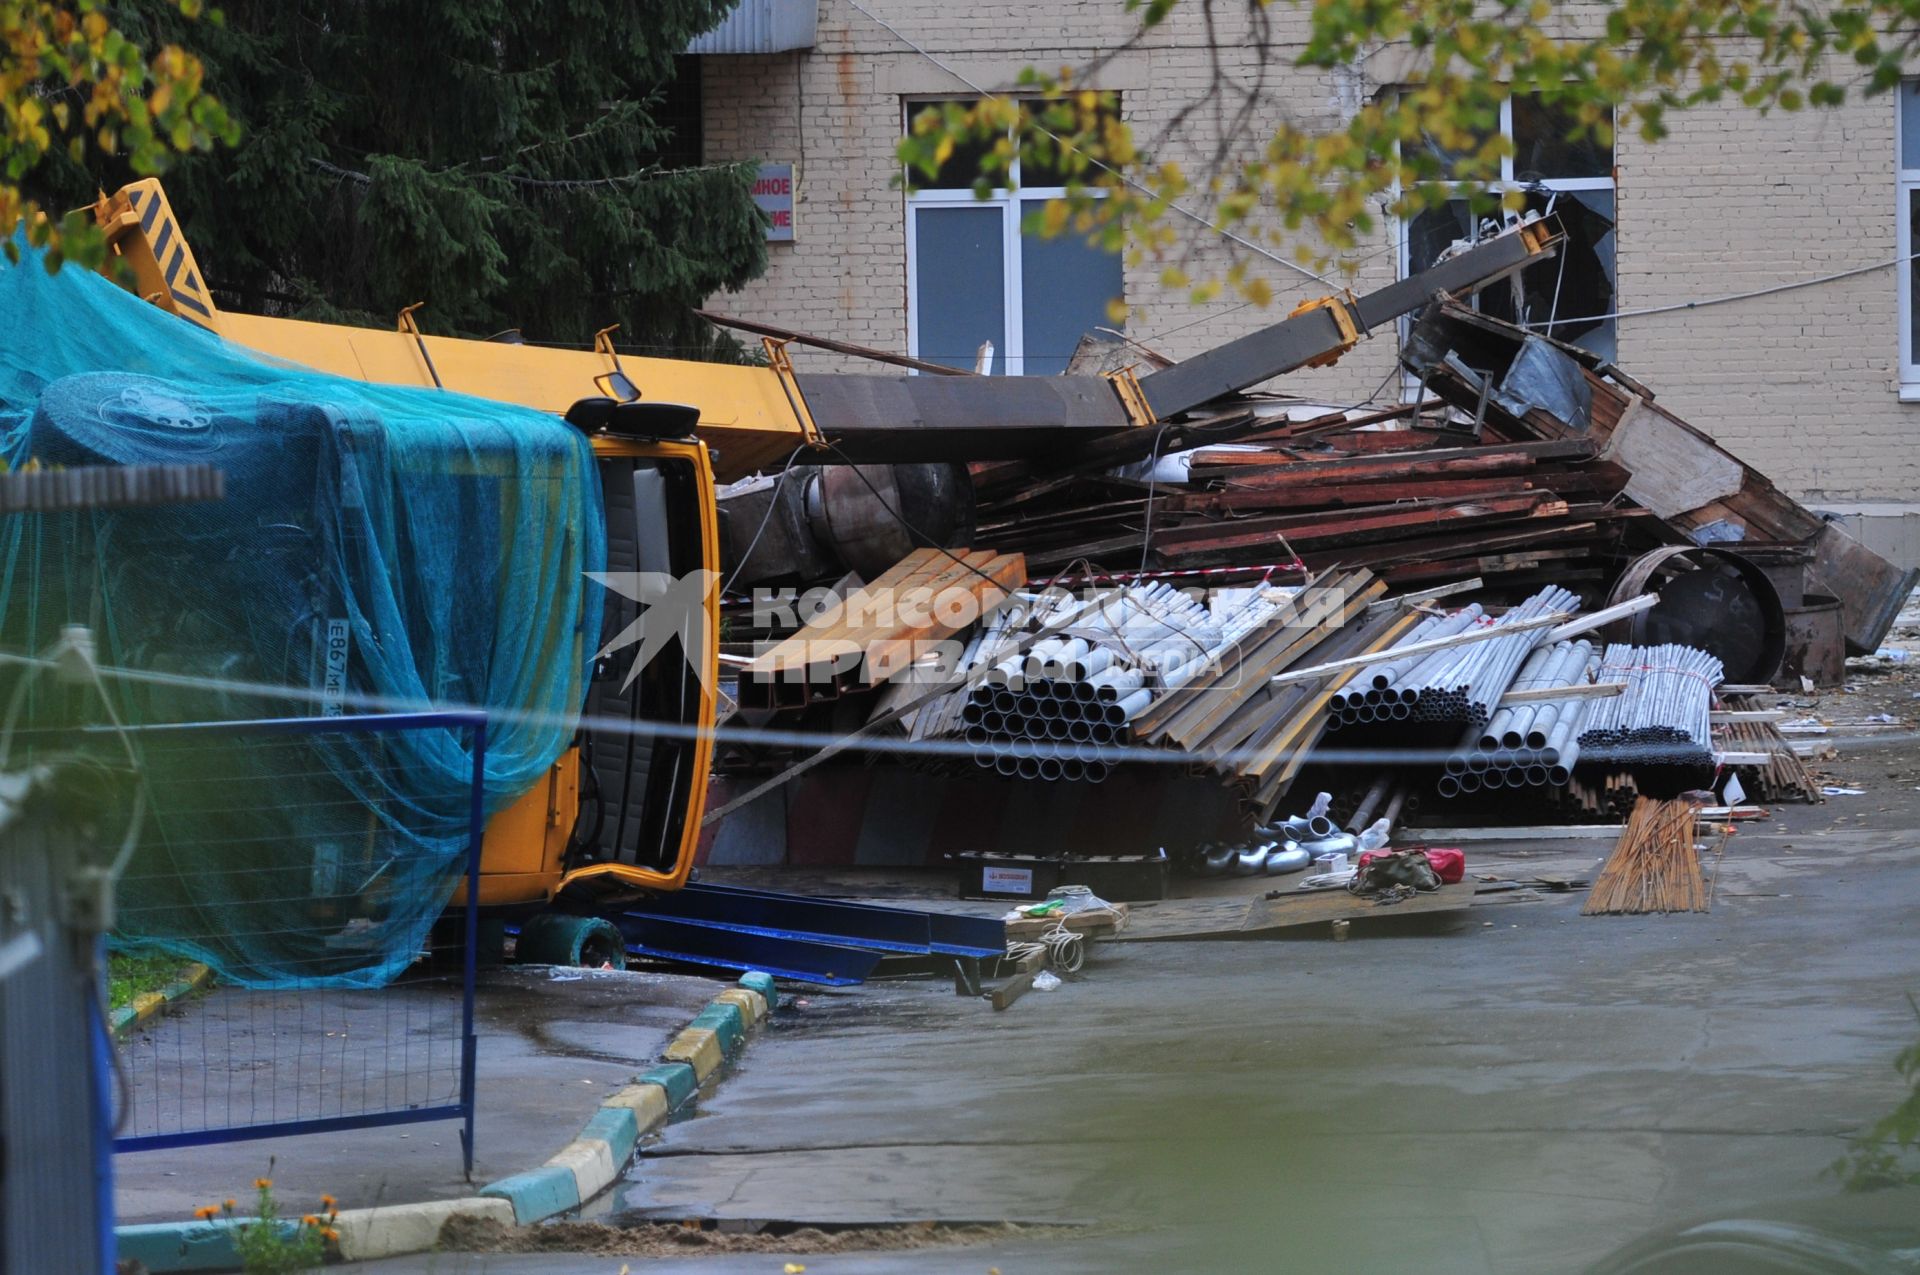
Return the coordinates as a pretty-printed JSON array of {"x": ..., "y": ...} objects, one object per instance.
[
  {"x": 1746, "y": 715},
  {"x": 1673, "y": 469},
  {"x": 1300, "y": 910},
  {"x": 1432, "y": 594},
  {"x": 1094, "y": 923},
  {"x": 1578, "y": 690},
  {"x": 794, "y": 651},
  {"x": 1013, "y": 989},
  {"x": 1531, "y": 832}
]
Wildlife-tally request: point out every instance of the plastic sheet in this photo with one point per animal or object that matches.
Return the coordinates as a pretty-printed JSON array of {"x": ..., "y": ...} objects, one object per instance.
[{"x": 391, "y": 546}]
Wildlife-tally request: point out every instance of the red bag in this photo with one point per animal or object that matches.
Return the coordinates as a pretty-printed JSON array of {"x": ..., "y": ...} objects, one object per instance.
[{"x": 1449, "y": 865}]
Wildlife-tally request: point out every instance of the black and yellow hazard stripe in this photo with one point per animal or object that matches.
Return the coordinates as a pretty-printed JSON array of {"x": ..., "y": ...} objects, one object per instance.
[{"x": 181, "y": 273}]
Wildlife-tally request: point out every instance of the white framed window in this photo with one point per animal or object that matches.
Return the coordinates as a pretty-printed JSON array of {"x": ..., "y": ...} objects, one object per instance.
[
  {"x": 973, "y": 275},
  {"x": 1570, "y": 296},
  {"x": 1906, "y": 213}
]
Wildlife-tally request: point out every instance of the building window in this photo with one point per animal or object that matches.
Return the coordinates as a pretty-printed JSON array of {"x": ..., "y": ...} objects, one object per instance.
[
  {"x": 974, "y": 276},
  {"x": 1568, "y": 296},
  {"x": 1907, "y": 145}
]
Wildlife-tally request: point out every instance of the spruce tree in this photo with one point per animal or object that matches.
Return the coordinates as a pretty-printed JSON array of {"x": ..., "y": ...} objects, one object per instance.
[{"x": 503, "y": 161}]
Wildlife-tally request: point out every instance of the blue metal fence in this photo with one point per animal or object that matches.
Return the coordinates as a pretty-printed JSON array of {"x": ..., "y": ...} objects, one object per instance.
[{"x": 301, "y": 1055}]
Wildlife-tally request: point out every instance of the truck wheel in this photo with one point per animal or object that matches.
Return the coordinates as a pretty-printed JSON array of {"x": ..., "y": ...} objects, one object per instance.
[{"x": 555, "y": 938}]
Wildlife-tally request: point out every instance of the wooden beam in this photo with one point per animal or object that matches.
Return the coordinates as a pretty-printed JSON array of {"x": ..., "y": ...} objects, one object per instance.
[
  {"x": 1746, "y": 715},
  {"x": 1578, "y": 690},
  {"x": 1433, "y": 594},
  {"x": 1013, "y": 989},
  {"x": 1542, "y": 832}
]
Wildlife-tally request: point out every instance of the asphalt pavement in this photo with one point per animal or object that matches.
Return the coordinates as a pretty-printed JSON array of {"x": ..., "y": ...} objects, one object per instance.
[{"x": 1523, "y": 1090}]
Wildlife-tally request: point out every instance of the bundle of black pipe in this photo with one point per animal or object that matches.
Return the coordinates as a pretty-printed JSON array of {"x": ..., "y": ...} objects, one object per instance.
[
  {"x": 1662, "y": 719},
  {"x": 1050, "y": 729},
  {"x": 1461, "y": 683}
]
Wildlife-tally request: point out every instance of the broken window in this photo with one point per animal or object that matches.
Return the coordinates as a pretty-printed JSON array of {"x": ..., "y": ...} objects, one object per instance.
[
  {"x": 1572, "y": 296},
  {"x": 1908, "y": 174},
  {"x": 975, "y": 275}
]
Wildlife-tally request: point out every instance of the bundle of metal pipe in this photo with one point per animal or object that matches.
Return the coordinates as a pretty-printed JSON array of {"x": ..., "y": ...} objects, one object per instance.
[
  {"x": 1050, "y": 712},
  {"x": 1663, "y": 716},
  {"x": 1048, "y": 729},
  {"x": 1527, "y": 745},
  {"x": 1254, "y": 735},
  {"x": 1451, "y": 685}
]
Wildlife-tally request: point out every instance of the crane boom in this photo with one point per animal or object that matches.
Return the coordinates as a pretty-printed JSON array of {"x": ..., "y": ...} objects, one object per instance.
[{"x": 753, "y": 418}]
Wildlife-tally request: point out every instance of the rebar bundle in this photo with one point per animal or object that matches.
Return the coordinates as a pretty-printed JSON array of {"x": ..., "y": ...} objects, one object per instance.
[
  {"x": 1527, "y": 745},
  {"x": 1456, "y": 685},
  {"x": 1662, "y": 718},
  {"x": 1783, "y": 776},
  {"x": 1653, "y": 867}
]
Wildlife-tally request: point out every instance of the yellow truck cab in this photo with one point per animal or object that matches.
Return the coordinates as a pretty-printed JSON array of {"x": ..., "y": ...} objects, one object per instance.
[{"x": 618, "y": 812}]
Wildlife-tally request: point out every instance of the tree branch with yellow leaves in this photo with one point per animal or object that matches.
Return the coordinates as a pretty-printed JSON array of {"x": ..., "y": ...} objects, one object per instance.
[
  {"x": 70, "y": 80},
  {"x": 1313, "y": 191}
]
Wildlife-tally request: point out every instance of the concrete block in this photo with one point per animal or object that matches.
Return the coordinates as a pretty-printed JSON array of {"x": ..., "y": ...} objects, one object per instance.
[
  {"x": 648, "y": 1103},
  {"x": 399, "y": 1229},
  {"x": 537, "y": 1194},
  {"x": 753, "y": 1006},
  {"x": 762, "y": 983},
  {"x": 618, "y": 1127},
  {"x": 676, "y": 1078},
  {"x": 591, "y": 1163},
  {"x": 699, "y": 1048},
  {"x": 725, "y": 1021}
]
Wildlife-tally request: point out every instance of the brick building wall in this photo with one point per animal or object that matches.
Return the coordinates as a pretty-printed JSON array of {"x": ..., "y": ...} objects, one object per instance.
[{"x": 1804, "y": 384}]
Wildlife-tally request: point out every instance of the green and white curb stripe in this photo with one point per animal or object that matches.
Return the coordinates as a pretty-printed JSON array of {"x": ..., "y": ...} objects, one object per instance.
[
  {"x": 147, "y": 1004},
  {"x": 184, "y": 1246},
  {"x": 582, "y": 1169}
]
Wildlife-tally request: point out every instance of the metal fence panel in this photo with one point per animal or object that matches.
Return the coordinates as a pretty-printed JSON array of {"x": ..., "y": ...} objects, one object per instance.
[
  {"x": 56, "y": 1208},
  {"x": 304, "y": 1055}
]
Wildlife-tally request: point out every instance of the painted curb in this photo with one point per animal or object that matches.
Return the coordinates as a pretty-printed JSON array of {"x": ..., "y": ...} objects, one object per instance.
[
  {"x": 725, "y": 1021},
  {"x": 147, "y": 1004},
  {"x": 618, "y": 1126},
  {"x": 676, "y": 1079},
  {"x": 183, "y": 1246},
  {"x": 586, "y": 1166},
  {"x": 596, "y": 1158},
  {"x": 753, "y": 1006},
  {"x": 397, "y": 1229},
  {"x": 699, "y": 1048}
]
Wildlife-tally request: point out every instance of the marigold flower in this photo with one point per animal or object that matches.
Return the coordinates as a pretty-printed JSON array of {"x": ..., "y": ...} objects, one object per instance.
[
  {"x": 206, "y": 1211},
  {"x": 328, "y": 1202},
  {"x": 230, "y": 1205},
  {"x": 330, "y": 1234},
  {"x": 309, "y": 1220},
  {"x": 262, "y": 1184}
]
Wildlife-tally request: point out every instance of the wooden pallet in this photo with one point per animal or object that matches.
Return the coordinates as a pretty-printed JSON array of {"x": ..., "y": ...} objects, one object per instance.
[{"x": 1095, "y": 925}]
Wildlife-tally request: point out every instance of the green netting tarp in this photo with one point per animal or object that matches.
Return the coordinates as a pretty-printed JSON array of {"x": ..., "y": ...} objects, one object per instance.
[{"x": 400, "y": 547}]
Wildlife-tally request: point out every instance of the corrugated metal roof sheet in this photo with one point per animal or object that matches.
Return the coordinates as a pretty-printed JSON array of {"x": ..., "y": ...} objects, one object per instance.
[{"x": 762, "y": 26}]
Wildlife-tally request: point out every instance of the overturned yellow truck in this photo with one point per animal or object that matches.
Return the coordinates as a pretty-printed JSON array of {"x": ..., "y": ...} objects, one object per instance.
[{"x": 617, "y": 814}]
